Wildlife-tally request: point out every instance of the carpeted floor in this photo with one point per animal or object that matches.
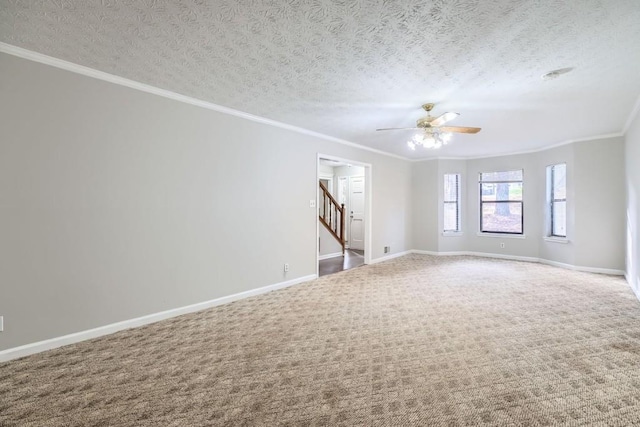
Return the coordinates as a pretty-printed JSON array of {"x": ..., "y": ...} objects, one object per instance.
[{"x": 415, "y": 341}]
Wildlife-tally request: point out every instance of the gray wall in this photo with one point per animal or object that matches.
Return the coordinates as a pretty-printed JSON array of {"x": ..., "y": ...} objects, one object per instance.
[
  {"x": 115, "y": 203},
  {"x": 632, "y": 221},
  {"x": 424, "y": 185},
  {"x": 328, "y": 244},
  {"x": 527, "y": 247},
  {"x": 599, "y": 203}
]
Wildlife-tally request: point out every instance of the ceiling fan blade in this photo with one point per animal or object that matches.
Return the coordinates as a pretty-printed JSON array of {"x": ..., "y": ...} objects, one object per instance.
[
  {"x": 459, "y": 129},
  {"x": 397, "y": 129},
  {"x": 444, "y": 118}
]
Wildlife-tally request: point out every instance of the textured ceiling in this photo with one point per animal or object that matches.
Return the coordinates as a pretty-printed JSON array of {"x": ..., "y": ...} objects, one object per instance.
[{"x": 346, "y": 67}]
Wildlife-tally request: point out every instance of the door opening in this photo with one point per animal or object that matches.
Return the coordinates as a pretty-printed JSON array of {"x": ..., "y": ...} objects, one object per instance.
[{"x": 347, "y": 183}]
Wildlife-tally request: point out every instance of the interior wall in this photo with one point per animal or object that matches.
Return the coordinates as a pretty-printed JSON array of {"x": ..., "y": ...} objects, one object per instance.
[
  {"x": 116, "y": 203},
  {"x": 632, "y": 220},
  {"x": 391, "y": 223},
  {"x": 328, "y": 244},
  {"x": 523, "y": 246},
  {"x": 425, "y": 205},
  {"x": 599, "y": 203}
]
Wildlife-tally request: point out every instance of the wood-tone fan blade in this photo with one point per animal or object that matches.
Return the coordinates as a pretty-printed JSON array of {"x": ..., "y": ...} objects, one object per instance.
[
  {"x": 444, "y": 118},
  {"x": 397, "y": 129},
  {"x": 459, "y": 129}
]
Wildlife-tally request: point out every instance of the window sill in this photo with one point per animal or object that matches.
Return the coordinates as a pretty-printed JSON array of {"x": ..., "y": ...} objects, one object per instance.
[
  {"x": 502, "y": 235},
  {"x": 562, "y": 240},
  {"x": 452, "y": 233}
]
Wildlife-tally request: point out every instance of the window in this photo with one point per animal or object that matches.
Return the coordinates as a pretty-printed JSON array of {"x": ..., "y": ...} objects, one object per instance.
[
  {"x": 451, "y": 202},
  {"x": 557, "y": 200},
  {"x": 501, "y": 202}
]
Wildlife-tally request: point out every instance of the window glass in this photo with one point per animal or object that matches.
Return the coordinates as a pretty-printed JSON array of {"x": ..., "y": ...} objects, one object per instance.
[
  {"x": 557, "y": 200},
  {"x": 451, "y": 208},
  {"x": 501, "y": 208}
]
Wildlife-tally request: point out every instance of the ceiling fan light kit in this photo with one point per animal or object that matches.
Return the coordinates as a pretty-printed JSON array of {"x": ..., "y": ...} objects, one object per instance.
[
  {"x": 429, "y": 139},
  {"x": 434, "y": 135}
]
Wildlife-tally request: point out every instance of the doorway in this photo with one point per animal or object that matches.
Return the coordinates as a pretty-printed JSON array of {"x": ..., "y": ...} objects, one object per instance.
[{"x": 349, "y": 183}]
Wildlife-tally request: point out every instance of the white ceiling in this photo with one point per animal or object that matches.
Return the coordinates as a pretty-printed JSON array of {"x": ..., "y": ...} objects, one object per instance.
[{"x": 346, "y": 67}]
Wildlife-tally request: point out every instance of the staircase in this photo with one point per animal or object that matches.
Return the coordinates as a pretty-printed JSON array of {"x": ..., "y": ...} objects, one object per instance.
[{"x": 331, "y": 215}]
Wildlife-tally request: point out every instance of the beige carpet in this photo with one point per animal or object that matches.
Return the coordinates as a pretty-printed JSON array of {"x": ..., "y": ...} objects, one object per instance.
[{"x": 414, "y": 341}]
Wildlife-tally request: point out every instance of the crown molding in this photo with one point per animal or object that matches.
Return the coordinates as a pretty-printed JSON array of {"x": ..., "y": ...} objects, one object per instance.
[
  {"x": 112, "y": 78},
  {"x": 537, "y": 150}
]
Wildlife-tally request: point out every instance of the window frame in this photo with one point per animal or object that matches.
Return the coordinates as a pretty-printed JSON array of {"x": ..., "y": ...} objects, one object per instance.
[
  {"x": 551, "y": 200},
  {"x": 457, "y": 202},
  {"x": 482, "y": 202}
]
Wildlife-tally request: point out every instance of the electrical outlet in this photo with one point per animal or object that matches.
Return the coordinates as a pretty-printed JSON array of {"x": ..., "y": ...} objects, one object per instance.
[
  {"x": 312, "y": 203},
  {"x": 286, "y": 268},
  {"x": 387, "y": 249},
  {"x": 1, "y": 323},
  {"x": 501, "y": 245}
]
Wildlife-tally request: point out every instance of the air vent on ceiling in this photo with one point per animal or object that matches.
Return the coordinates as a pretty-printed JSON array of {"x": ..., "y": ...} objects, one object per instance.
[{"x": 556, "y": 73}]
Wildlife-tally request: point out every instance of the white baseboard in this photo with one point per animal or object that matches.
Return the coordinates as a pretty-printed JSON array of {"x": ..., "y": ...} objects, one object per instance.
[
  {"x": 37, "y": 347},
  {"x": 478, "y": 254},
  {"x": 636, "y": 288},
  {"x": 434, "y": 253},
  {"x": 581, "y": 268},
  {"x": 526, "y": 259},
  {"x": 390, "y": 256},
  {"x": 327, "y": 256},
  {"x": 503, "y": 256}
]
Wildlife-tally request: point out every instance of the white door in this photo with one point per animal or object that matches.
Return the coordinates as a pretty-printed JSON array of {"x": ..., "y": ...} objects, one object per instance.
[
  {"x": 356, "y": 205},
  {"x": 343, "y": 198}
]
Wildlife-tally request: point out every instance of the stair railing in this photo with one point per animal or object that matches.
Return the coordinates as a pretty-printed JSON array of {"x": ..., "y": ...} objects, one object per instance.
[{"x": 331, "y": 215}]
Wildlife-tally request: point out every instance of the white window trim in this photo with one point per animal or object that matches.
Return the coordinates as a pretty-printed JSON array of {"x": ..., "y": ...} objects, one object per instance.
[
  {"x": 493, "y": 234},
  {"x": 502, "y": 235},
  {"x": 555, "y": 239},
  {"x": 451, "y": 233},
  {"x": 550, "y": 237}
]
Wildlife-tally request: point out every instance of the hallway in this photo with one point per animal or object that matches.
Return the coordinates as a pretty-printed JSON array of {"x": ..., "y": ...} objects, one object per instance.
[{"x": 352, "y": 258}]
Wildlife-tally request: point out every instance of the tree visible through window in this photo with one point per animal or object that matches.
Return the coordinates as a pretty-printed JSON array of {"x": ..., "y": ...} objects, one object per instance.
[{"x": 501, "y": 208}]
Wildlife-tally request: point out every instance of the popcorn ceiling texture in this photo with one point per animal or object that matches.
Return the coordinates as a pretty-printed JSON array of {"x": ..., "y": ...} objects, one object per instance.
[
  {"x": 345, "y": 68},
  {"x": 419, "y": 340}
]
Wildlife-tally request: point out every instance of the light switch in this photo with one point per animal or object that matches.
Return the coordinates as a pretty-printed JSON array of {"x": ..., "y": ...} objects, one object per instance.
[{"x": 312, "y": 203}]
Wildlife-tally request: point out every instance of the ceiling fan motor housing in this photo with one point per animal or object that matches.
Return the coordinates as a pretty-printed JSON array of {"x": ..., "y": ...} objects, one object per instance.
[{"x": 424, "y": 122}]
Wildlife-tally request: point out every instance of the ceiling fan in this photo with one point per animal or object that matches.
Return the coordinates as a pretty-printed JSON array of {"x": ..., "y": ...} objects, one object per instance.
[{"x": 434, "y": 135}]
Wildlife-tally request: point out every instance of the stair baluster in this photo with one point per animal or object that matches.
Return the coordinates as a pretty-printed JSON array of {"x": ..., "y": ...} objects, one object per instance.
[{"x": 335, "y": 222}]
